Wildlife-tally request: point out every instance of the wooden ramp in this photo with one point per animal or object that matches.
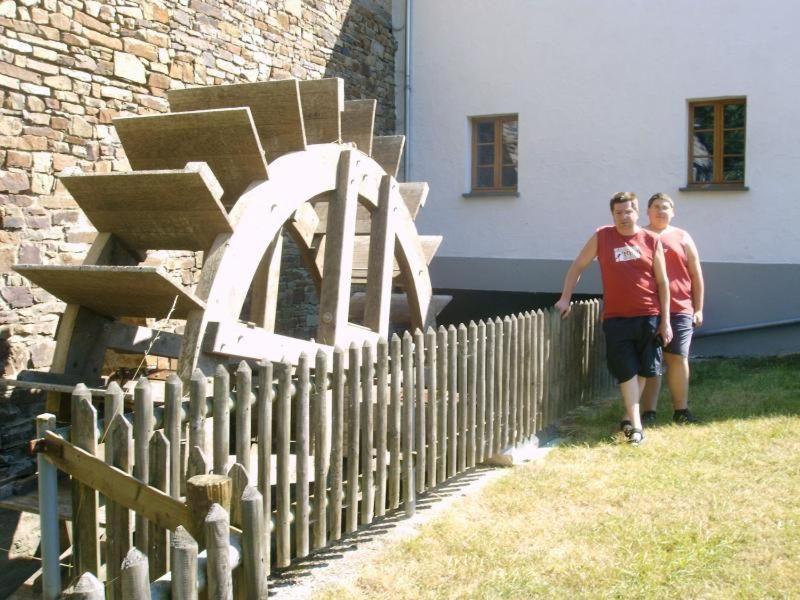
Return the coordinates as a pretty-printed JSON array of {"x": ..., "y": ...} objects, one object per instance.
[
  {"x": 225, "y": 139},
  {"x": 274, "y": 105},
  {"x": 114, "y": 291},
  {"x": 168, "y": 210}
]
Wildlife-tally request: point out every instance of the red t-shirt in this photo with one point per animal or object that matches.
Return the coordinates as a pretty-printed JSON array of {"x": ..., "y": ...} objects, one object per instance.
[
  {"x": 626, "y": 266},
  {"x": 674, "y": 241}
]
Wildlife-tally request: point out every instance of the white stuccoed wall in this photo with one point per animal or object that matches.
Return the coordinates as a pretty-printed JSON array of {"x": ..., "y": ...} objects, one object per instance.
[{"x": 601, "y": 88}]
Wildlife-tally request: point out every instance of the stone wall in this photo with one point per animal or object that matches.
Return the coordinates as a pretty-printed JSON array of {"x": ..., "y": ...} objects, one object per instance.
[{"x": 68, "y": 67}]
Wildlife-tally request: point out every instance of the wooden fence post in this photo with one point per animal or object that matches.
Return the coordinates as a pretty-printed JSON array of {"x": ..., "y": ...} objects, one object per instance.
[
  {"x": 407, "y": 436},
  {"x": 480, "y": 418},
  {"x": 394, "y": 422},
  {"x": 222, "y": 425},
  {"x": 85, "y": 533},
  {"x": 320, "y": 433},
  {"x": 173, "y": 397},
  {"x": 48, "y": 514},
  {"x": 443, "y": 399},
  {"x": 491, "y": 346},
  {"x": 420, "y": 426},
  {"x": 452, "y": 401},
  {"x": 513, "y": 380},
  {"x": 353, "y": 431},
  {"x": 254, "y": 566},
  {"x": 301, "y": 415},
  {"x": 197, "y": 412},
  {"x": 157, "y": 554},
  {"x": 264, "y": 410},
  {"x": 142, "y": 432},
  {"x": 472, "y": 391},
  {"x": 86, "y": 588},
  {"x": 381, "y": 425},
  {"x": 135, "y": 576},
  {"x": 431, "y": 422},
  {"x": 463, "y": 399},
  {"x": 499, "y": 388},
  {"x": 183, "y": 558},
  {"x": 367, "y": 434},
  {"x": 283, "y": 499},
  {"x": 337, "y": 435},
  {"x": 240, "y": 480},
  {"x": 218, "y": 568},
  {"x": 244, "y": 392}
]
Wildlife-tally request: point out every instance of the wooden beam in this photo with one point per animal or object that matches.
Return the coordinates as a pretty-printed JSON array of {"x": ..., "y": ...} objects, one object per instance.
[
  {"x": 114, "y": 291},
  {"x": 358, "y": 123},
  {"x": 226, "y": 139},
  {"x": 275, "y": 106},
  {"x": 380, "y": 261},
  {"x": 387, "y": 150},
  {"x": 414, "y": 195},
  {"x": 400, "y": 313},
  {"x": 306, "y": 222},
  {"x": 363, "y": 218},
  {"x": 134, "y": 339},
  {"x": 156, "y": 506},
  {"x": 322, "y": 101},
  {"x": 335, "y": 292},
  {"x": 264, "y": 301},
  {"x": 166, "y": 210}
]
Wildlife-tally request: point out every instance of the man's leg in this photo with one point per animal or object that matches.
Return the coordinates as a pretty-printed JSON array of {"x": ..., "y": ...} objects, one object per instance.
[
  {"x": 652, "y": 388},
  {"x": 678, "y": 379},
  {"x": 631, "y": 391}
]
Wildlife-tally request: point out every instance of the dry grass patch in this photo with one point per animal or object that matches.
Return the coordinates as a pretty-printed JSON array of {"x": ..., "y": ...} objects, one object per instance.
[{"x": 710, "y": 511}]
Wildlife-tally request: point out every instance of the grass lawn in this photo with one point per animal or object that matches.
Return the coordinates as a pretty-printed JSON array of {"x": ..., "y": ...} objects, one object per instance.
[{"x": 706, "y": 511}]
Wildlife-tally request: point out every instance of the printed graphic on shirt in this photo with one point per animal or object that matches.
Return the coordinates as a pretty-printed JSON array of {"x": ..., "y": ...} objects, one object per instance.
[{"x": 626, "y": 253}]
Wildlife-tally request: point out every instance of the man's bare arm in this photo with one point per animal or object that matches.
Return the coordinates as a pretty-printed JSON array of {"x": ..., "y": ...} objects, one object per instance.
[
  {"x": 578, "y": 266},
  {"x": 698, "y": 284},
  {"x": 660, "y": 271}
]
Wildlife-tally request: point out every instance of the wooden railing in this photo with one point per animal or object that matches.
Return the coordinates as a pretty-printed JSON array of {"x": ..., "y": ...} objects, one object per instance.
[{"x": 337, "y": 445}]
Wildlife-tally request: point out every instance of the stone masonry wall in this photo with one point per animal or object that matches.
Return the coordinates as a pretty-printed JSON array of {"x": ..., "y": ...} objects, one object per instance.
[{"x": 68, "y": 67}]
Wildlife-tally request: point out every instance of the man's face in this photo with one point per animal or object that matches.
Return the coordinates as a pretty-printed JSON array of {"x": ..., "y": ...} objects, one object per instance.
[
  {"x": 660, "y": 213},
  {"x": 625, "y": 214}
]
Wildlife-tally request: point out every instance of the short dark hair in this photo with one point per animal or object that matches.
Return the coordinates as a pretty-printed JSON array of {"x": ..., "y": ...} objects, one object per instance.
[
  {"x": 660, "y": 196},
  {"x": 621, "y": 197}
]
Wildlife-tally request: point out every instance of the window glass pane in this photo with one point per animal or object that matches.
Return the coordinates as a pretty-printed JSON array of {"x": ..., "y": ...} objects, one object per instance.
[
  {"x": 734, "y": 115},
  {"x": 702, "y": 169},
  {"x": 733, "y": 168},
  {"x": 703, "y": 143},
  {"x": 510, "y": 143},
  {"x": 486, "y": 132},
  {"x": 486, "y": 154},
  {"x": 734, "y": 142},
  {"x": 703, "y": 117},
  {"x": 485, "y": 177},
  {"x": 509, "y": 177}
]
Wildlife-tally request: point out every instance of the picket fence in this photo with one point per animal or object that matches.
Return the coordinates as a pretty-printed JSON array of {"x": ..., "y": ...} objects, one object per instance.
[{"x": 320, "y": 451}]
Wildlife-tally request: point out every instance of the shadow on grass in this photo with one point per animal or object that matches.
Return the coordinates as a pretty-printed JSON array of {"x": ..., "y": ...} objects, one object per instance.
[{"x": 721, "y": 389}]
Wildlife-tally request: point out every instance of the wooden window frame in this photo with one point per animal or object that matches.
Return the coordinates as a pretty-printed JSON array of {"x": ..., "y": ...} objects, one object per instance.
[
  {"x": 496, "y": 189},
  {"x": 717, "y": 179}
]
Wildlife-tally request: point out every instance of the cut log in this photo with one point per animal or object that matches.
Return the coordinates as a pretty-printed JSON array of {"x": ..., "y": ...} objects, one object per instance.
[
  {"x": 114, "y": 291},
  {"x": 167, "y": 210},
  {"x": 225, "y": 139}
]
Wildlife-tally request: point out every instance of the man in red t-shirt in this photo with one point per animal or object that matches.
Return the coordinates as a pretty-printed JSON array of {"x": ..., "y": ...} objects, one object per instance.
[
  {"x": 635, "y": 302},
  {"x": 686, "y": 289}
]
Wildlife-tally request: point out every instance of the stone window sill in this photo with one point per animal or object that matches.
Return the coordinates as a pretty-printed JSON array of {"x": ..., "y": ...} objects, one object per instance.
[
  {"x": 715, "y": 187},
  {"x": 491, "y": 194}
]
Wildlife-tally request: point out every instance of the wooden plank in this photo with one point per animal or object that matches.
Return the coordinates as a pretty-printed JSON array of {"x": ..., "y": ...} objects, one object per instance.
[
  {"x": 367, "y": 434},
  {"x": 274, "y": 105},
  {"x": 335, "y": 292},
  {"x": 381, "y": 422},
  {"x": 135, "y": 339},
  {"x": 266, "y": 284},
  {"x": 394, "y": 422},
  {"x": 114, "y": 291},
  {"x": 119, "y": 454},
  {"x": 167, "y": 210},
  {"x": 337, "y": 435},
  {"x": 380, "y": 262},
  {"x": 358, "y": 123},
  {"x": 159, "y": 479},
  {"x": 414, "y": 194},
  {"x": 319, "y": 421},
  {"x": 41, "y": 384},
  {"x": 420, "y": 429},
  {"x": 432, "y": 405},
  {"x": 224, "y": 139},
  {"x": 407, "y": 428},
  {"x": 85, "y": 527},
  {"x": 353, "y": 435},
  {"x": 322, "y": 101},
  {"x": 387, "y": 151},
  {"x": 302, "y": 451}
]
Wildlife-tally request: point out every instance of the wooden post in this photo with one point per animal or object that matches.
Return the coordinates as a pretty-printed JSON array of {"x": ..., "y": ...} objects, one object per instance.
[
  {"x": 409, "y": 488},
  {"x": 222, "y": 425},
  {"x": 490, "y": 387},
  {"x": 254, "y": 565},
  {"x": 113, "y": 406},
  {"x": 480, "y": 394},
  {"x": 382, "y": 368},
  {"x": 119, "y": 454},
  {"x": 430, "y": 354},
  {"x": 87, "y": 588},
  {"x": 183, "y": 557},
  {"x": 85, "y": 534},
  {"x": 367, "y": 434},
  {"x": 160, "y": 479},
  {"x": 443, "y": 399},
  {"x": 463, "y": 400},
  {"x": 452, "y": 401},
  {"x": 337, "y": 435},
  {"x": 524, "y": 388},
  {"x": 142, "y": 432},
  {"x": 240, "y": 480},
  {"x": 282, "y": 433},
  {"x": 198, "y": 463},
  {"x": 507, "y": 397},
  {"x": 244, "y": 393},
  {"x": 135, "y": 576},
  {"x": 499, "y": 370},
  {"x": 301, "y": 414},
  {"x": 394, "y": 422},
  {"x": 173, "y": 396},
  {"x": 513, "y": 379},
  {"x": 48, "y": 514},
  {"x": 320, "y": 436},
  {"x": 264, "y": 410},
  {"x": 381, "y": 259},
  {"x": 541, "y": 368},
  {"x": 197, "y": 411},
  {"x": 353, "y": 430},
  {"x": 472, "y": 390},
  {"x": 218, "y": 568},
  {"x": 533, "y": 344},
  {"x": 201, "y": 492},
  {"x": 419, "y": 425}
]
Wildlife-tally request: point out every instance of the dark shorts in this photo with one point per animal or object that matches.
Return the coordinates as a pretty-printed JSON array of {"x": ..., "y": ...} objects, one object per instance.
[
  {"x": 682, "y": 329},
  {"x": 631, "y": 347}
]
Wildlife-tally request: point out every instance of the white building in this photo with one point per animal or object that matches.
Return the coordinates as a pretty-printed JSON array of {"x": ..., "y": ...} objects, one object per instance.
[{"x": 602, "y": 93}]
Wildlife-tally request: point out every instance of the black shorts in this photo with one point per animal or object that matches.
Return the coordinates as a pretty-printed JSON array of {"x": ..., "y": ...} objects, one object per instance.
[
  {"x": 682, "y": 329},
  {"x": 632, "y": 347}
]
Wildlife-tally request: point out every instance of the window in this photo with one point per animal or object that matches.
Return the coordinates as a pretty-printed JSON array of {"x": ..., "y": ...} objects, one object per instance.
[
  {"x": 494, "y": 154},
  {"x": 716, "y": 143}
]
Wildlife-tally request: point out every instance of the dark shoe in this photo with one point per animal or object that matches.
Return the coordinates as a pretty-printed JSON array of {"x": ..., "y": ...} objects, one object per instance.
[
  {"x": 684, "y": 417},
  {"x": 649, "y": 418},
  {"x": 635, "y": 437},
  {"x": 625, "y": 427}
]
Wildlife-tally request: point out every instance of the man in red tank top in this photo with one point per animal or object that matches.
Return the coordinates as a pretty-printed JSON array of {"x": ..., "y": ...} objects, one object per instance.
[
  {"x": 686, "y": 289},
  {"x": 636, "y": 302}
]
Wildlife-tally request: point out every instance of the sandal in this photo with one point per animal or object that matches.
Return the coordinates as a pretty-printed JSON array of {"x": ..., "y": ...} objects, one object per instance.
[
  {"x": 635, "y": 437},
  {"x": 625, "y": 426}
]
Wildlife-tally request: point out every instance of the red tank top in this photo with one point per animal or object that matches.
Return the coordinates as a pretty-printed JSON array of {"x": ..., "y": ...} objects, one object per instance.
[
  {"x": 626, "y": 266},
  {"x": 674, "y": 241}
]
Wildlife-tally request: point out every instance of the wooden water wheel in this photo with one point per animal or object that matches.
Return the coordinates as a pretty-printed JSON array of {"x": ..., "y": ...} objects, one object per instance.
[{"x": 227, "y": 172}]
